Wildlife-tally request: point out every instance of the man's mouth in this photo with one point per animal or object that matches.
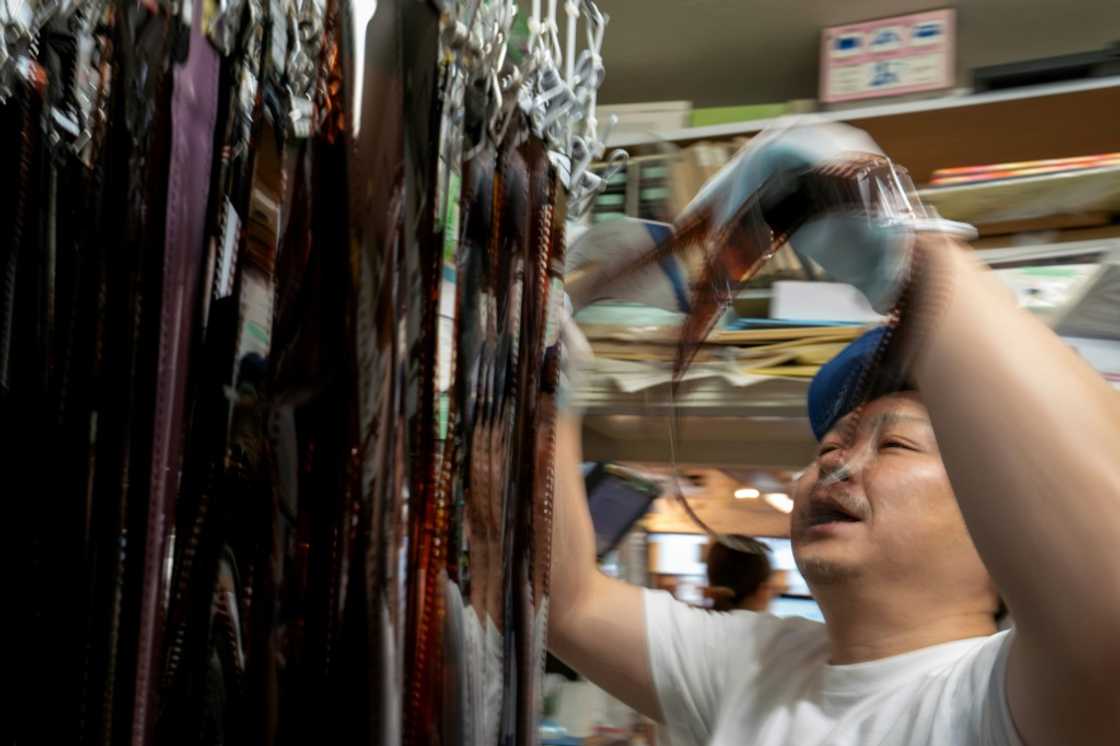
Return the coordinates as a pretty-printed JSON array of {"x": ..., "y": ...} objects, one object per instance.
[
  {"x": 824, "y": 510},
  {"x": 822, "y": 515}
]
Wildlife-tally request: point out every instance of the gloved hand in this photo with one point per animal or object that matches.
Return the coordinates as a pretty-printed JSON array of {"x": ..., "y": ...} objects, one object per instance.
[
  {"x": 615, "y": 247},
  {"x": 870, "y": 254}
]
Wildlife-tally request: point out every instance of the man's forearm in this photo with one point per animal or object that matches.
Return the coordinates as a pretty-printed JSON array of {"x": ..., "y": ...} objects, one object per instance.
[
  {"x": 596, "y": 624},
  {"x": 573, "y": 535},
  {"x": 1030, "y": 436}
]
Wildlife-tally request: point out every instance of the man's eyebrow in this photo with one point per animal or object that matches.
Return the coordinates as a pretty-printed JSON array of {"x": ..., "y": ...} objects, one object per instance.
[
  {"x": 894, "y": 418},
  {"x": 884, "y": 419}
]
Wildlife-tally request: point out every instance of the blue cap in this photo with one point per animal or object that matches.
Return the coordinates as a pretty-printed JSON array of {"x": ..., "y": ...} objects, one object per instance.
[{"x": 833, "y": 394}]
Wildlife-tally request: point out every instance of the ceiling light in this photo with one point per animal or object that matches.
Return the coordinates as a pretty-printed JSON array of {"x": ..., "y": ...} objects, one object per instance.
[
  {"x": 746, "y": 493},
  {"x": 779, "y": 501}
]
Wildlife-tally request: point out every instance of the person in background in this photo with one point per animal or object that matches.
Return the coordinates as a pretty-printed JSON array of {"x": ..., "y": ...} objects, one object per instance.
[
  {"x": 742, "y": 580},
  {"x": 923, "y": 506}
]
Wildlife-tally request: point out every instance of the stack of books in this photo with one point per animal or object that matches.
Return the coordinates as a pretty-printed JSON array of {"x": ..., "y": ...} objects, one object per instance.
[{"x": 1001, "y": 171}]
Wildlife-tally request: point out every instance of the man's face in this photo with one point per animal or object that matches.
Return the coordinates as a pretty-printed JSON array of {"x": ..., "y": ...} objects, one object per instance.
[{"x": 881, "y": 507}]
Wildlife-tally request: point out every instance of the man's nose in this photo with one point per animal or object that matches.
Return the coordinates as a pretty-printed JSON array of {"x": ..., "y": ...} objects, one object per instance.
[{"x": 835, "y": 465}]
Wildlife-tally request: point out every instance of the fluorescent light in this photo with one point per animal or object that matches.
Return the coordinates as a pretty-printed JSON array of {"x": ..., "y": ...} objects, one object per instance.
[
  {"x": 779, "y": 501},
  {"x": 746, "y": 493}
]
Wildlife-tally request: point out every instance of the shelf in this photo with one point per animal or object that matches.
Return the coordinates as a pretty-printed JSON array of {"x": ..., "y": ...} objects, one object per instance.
[
  {"x": 1022, "y": 124},
  {"x": 1059, "y": 253},
  {"x": 720, "y": 131},
  {"x": 730, "y": 438}
]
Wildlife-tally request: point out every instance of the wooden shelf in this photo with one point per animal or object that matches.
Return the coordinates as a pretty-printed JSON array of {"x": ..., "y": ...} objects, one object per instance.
[
  {"x": 1050, "y": 121},
  {"x": 716, "y": 440},
  {"x": 732, "y": 129}
]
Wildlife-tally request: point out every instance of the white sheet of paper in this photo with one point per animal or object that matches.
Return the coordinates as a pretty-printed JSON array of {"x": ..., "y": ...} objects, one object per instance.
[{"x": 820, "y": 301}]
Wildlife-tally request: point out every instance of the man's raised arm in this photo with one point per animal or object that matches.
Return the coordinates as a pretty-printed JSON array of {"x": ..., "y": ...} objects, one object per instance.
[
  {"x": 1030, "y": 435},
  {"x": 596, "y": 624}
]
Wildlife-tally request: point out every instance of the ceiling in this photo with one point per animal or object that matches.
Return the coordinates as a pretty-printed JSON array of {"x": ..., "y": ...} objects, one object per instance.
[
  {"x": 710, "y": 495},
  {"x": 716, "y": 53}
]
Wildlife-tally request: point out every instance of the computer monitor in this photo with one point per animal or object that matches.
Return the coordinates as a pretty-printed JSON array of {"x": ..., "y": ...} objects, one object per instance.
[{"x": 617, "y": 498}]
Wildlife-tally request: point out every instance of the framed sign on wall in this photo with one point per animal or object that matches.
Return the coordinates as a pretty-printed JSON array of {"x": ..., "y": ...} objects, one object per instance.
[{"x": 888, "y": 56}]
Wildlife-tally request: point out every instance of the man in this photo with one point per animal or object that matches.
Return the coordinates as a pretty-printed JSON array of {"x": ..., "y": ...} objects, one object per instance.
[
  {"x": 998, "y": 475},
  {"x": 739, "y": 580}
]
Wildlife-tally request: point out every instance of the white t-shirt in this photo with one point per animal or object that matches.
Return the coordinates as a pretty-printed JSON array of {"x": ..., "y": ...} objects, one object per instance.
[{"x": 748, "y": 679}]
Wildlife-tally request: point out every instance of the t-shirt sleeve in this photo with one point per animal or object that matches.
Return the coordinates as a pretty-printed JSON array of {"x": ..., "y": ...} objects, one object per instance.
[
  {"x": 981, "y": 693},
  {"x": 692, "y": 652}
]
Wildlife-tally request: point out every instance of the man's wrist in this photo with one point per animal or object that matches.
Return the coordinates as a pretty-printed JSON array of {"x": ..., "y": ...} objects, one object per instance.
[{"x": 934, "y": 260}]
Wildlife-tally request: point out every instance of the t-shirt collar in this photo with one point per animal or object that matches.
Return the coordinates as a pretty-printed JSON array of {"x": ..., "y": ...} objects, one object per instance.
[{"x": 857, "y": 679}]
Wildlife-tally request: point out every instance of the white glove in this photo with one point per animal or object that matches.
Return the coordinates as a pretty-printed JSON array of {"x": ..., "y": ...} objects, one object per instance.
[{"x": 614, "y": 247}]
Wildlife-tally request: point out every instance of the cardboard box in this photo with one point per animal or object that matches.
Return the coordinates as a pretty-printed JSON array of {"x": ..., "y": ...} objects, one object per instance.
[{"x": 645, "y": 118}]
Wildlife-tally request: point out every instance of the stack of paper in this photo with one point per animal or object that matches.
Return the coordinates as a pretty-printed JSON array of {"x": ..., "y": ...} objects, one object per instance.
[{"x": 791, "y": 351}]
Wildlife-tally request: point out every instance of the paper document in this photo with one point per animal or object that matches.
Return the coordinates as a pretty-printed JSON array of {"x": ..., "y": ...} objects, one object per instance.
[{"x": 820, "y": 301}]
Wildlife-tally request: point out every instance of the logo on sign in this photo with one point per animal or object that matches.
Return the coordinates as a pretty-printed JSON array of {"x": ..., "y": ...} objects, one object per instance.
[
  {"x": 885, "y": 73},
  {"x": 929, "y": 32},
  {"x": 845, "y": 45},
  {"x": 887, "y": 39}
]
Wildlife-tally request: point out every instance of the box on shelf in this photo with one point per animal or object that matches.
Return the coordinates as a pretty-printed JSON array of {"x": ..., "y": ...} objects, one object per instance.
[
  {"x": 645, "y": 118},
  {"x": 713, "y": 115},
  {"x": 728, "y": 114},
  {"x": 696, "y": 164}
]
